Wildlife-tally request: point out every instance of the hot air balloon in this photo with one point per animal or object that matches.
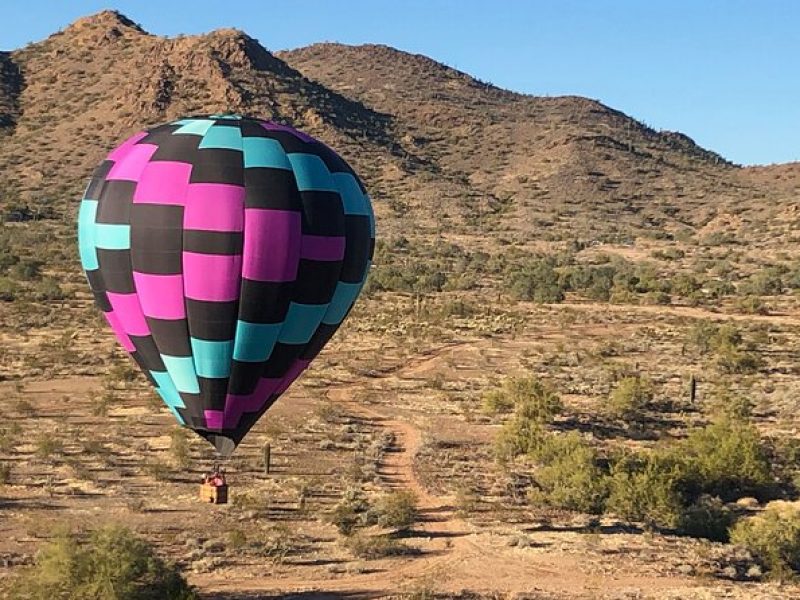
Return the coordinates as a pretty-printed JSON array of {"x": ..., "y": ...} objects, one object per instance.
[{"x": 225, "y": 252}]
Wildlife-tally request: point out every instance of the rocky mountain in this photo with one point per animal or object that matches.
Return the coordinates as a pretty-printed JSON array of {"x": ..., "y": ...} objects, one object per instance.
[{"x": 441, "y": 152}]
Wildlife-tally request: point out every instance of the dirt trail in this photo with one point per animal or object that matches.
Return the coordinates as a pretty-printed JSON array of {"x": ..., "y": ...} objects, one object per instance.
[{"x": 456, "y": 555}]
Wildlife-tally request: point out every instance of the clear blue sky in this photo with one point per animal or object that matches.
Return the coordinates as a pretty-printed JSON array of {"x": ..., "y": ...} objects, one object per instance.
[{"x": 725, "y": 72}]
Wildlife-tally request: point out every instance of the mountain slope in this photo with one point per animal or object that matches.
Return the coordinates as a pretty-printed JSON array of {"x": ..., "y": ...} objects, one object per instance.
[
  {"x": 104, "y": 78},
  {"x": 555, "y": 157},
  {"x": 443, "y": 154}
]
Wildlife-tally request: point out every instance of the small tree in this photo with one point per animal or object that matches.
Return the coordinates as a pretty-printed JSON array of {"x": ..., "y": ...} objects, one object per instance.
[
  {"x": 631, "y": 396},
  {"x": 113, "y": 564}
]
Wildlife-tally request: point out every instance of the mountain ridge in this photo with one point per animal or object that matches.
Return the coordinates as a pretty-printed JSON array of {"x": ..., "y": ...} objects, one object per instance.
[{"x": 439, "y": 149}]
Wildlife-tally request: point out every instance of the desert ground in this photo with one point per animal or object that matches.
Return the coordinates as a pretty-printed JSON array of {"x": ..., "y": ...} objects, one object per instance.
[{"x": 393, "y": 404}]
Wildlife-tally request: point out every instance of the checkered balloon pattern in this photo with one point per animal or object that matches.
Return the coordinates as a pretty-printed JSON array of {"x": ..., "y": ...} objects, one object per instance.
[{"x": 224, "y": 251}]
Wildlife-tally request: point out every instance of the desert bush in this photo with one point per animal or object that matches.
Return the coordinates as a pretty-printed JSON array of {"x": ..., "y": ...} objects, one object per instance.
[
  {"x": 379, "y": 546},
  {"x": 48, "y": 445},
  {"x": 9, "y": 290},
  {"x": 717, "y": 288},
  {"x": 27, "y": 269},
  {"x": 517, "y": 437},
  {"x": 113, "y": 564},
  {"x": 668, "y": 254},
  {"x": 535, "y": 404},
  {"x": 497, "y": 401},
  {"x": 660, "y": 298},
  {"x": 674, "y": 487},
  {"x": 773, "y": 537},
  {"x": 535, "y": 280},
  {"x": 701, "y": 335},
  {"x": 646, "y": 487},
  {"x": 466, "y": 500},
  {"x": 567, "y": 474},
  {"x": 46, "y": 290},
  {"x": 9, "y": 436},
  {"x": 5, "y": 473},
  {"x": 256, "y": 501},
  {"x": 349, "y": 512},
  {"x": 708, "y": 518},
  {"x": 157, "y": 470},
  {"x": 729, "y": 460},
  {"x": 726, "y": 403},
  {"x": 731, "y": 352},
  {"x": 101, "y": 402},
  {"x": 685, "y": 284},
  {"x": 396, "y": 509},
  {"x": 766, "y": 282},
  {"x": 237, "y": 539},
  {"x": 736, "y": 361},
  {"x": 533, "y": 400},
  {"x": 123, "y": 372},
  {"x": 630, "y": 397},
  {"x": 276, "y": 543},
  {"x": 752, "y": 305}
]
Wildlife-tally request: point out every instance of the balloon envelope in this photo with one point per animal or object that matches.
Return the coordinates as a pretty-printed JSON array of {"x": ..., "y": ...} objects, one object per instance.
[{"x": 225, "y": 252}]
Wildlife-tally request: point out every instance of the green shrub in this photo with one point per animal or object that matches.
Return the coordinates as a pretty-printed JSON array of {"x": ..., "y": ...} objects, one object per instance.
[
  {"x": 113, "y": 564},
  {"x": 396, "y": 509},
  {"x": 701, "y": 336},
  {"x": 567, "y": 475},
  {"x": 730, "y": 460},
  {"x": 773, "y": 537},
  {"x": 101, "y": 402},
  {"x": 752, "y": 305},
  {"x": 46, "y": 290},
  {"x": 646, "y": 488},
  {"x": 497, "y": 401},
  {"x": 706, "y": 518},
  {"x": 237, "y": 539},
  {"x": 349, "y": 512},
  {"x": 517, "y": 437},
  {"x": 733, "y": 360},
  {"x": 668, "y": 254},
  {"x": 630, "y": 397},
  {"x": 717, "y": 288},
  {"x": 767, "y": 282},
  {"x": 9, "y": 436},
  {"x": 9, "y": 290},
  {"x": 726, "y": 403},
  {"x": 533, "y": 400},
  {"x": 466, "y": 501},
  {"x": 536, "y": 280},
  {"x": 535, "y": 404},
  {"x": 157, "y": 470},
  {"x": 684, "y": 284},
  {"x": 379, "y": 546},
  {"x": 731, "y": 353},
  {"x": 27, "y": 269}
]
